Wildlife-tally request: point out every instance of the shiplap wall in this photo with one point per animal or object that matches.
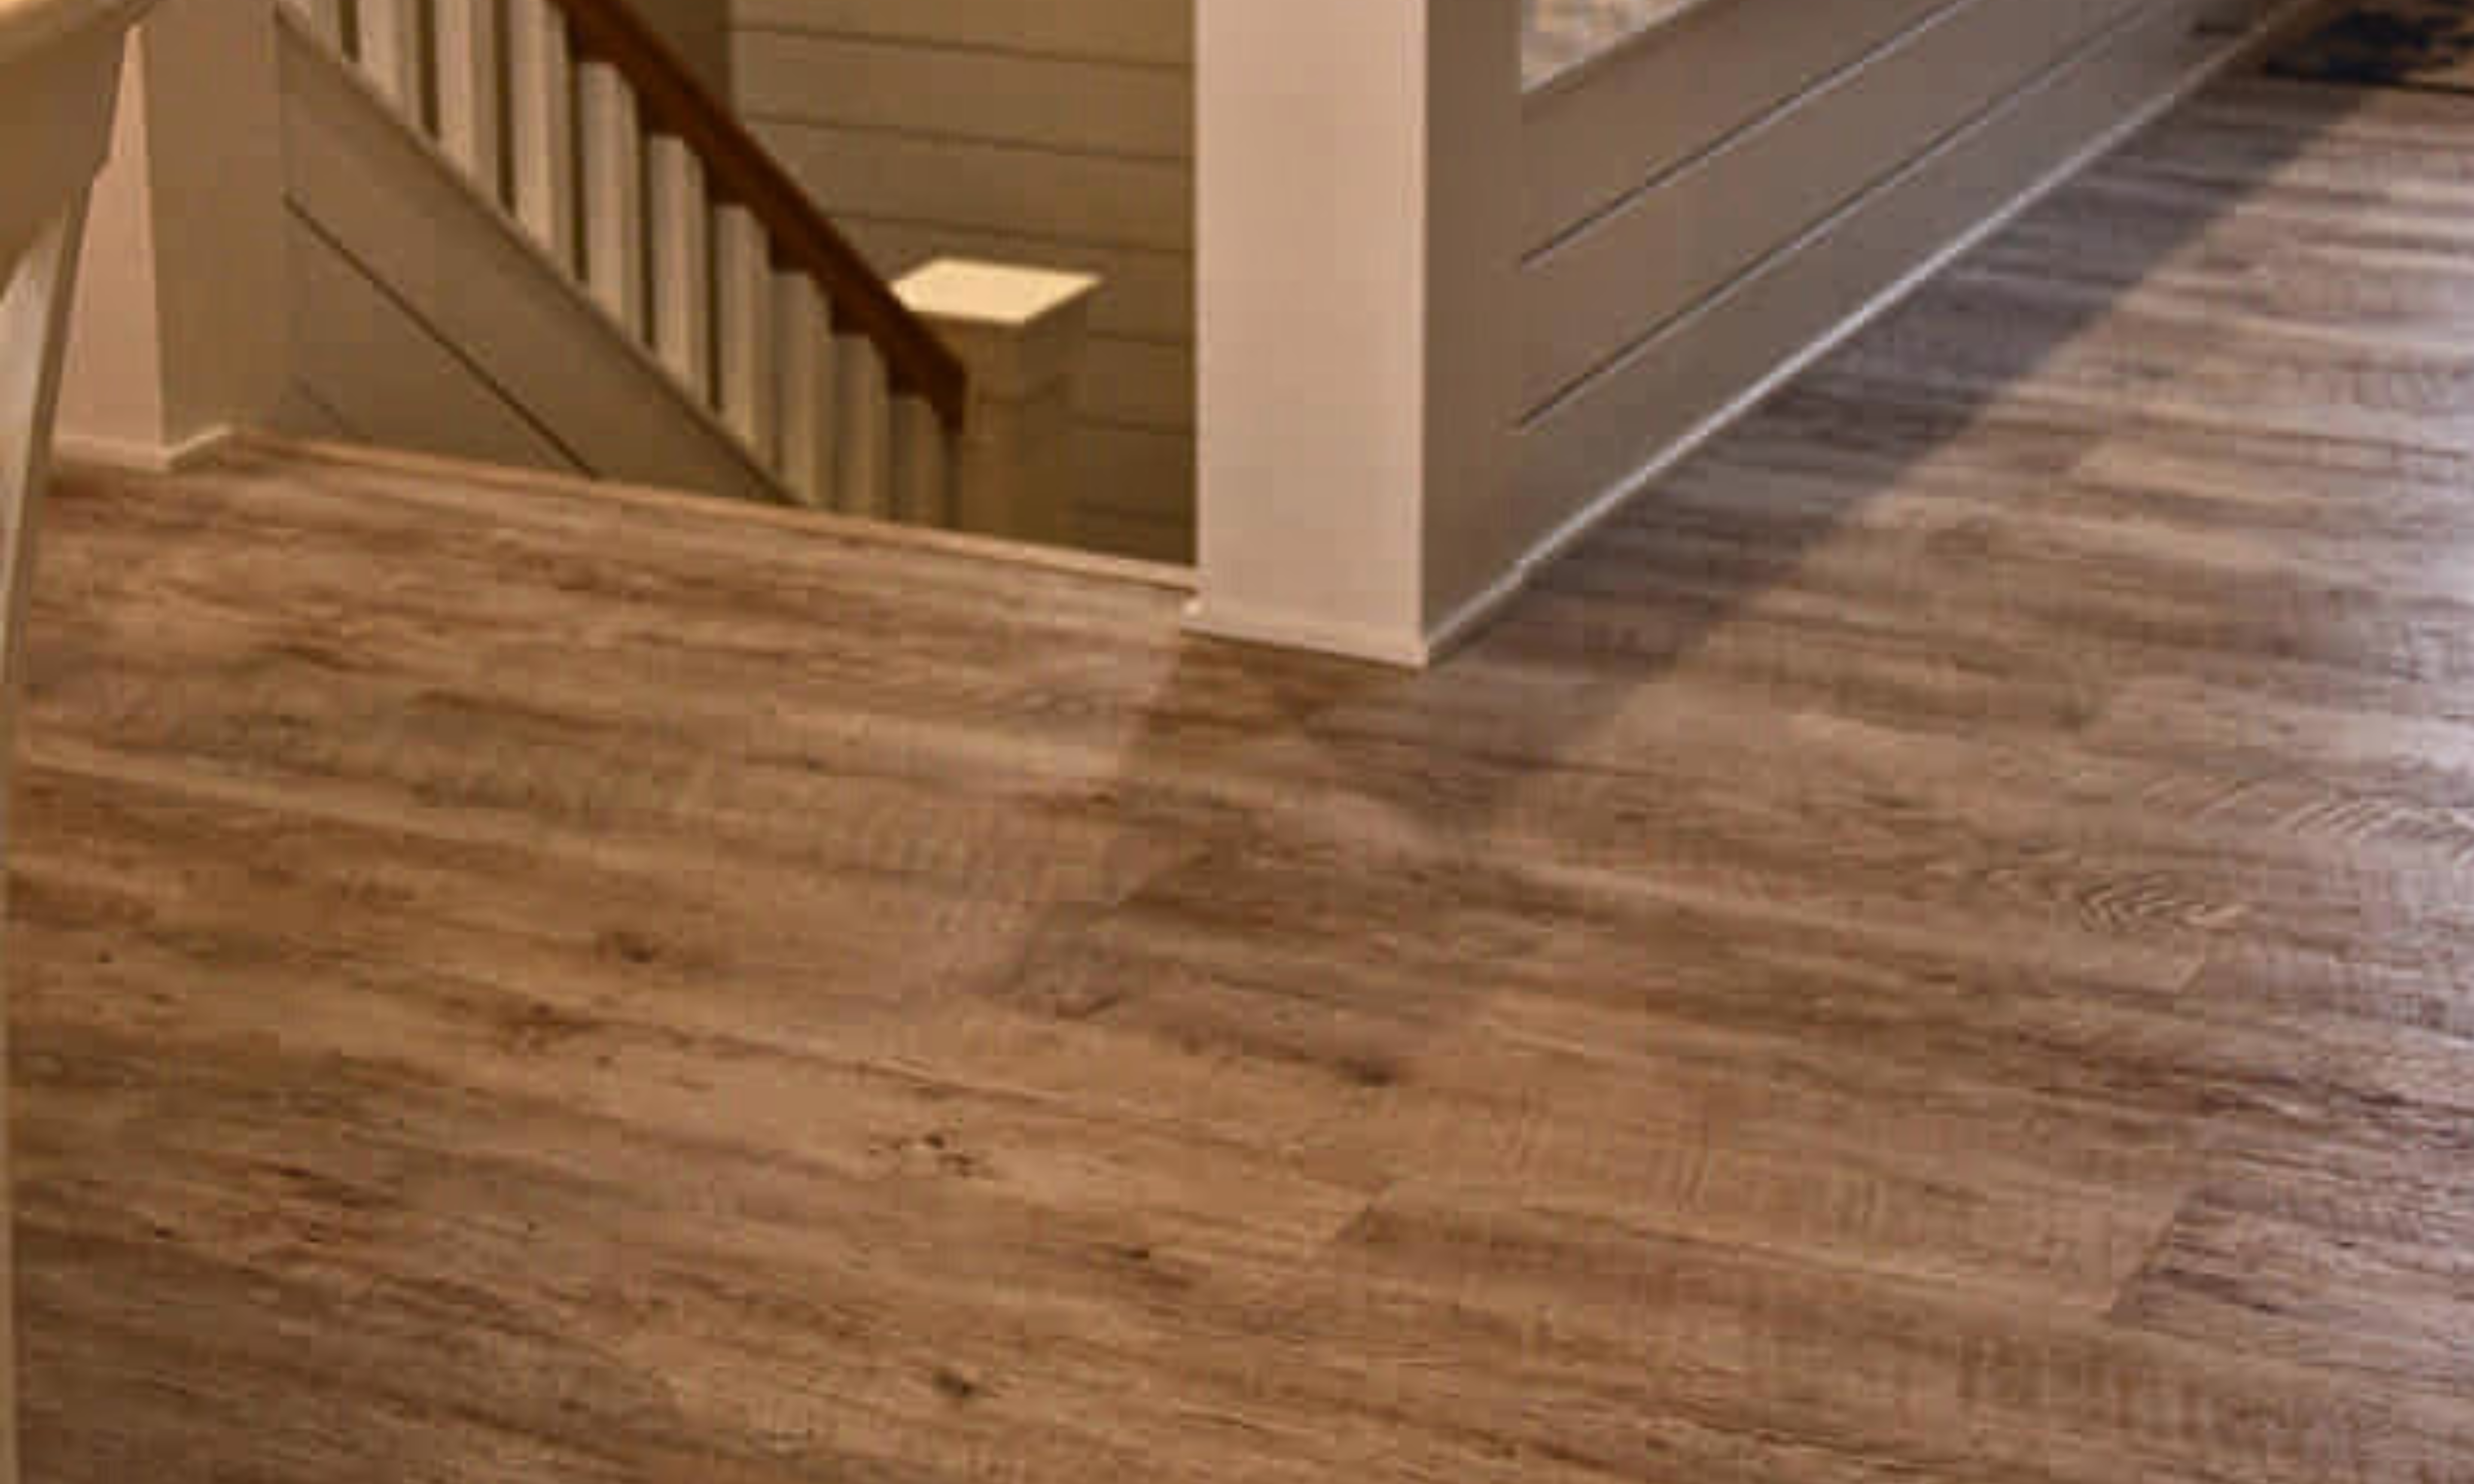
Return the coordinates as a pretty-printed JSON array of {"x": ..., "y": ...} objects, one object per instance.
[
  {"x": 701, "y": 32},
  {"x": 1051, "y": 133}
]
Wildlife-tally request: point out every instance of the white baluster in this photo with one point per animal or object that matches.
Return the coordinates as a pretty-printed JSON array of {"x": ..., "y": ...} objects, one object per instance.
[
  {"x": 325, "y": 17},
  {"x": 863, "y": 477},
  {"x": 389, "y": 48},
  {"x": 470, "y": 103},
  {"x": 682, "y": 263},
  {"x": 540, "y": 125},
  {"x": 613, "y": 147},
  {"x": 922, "y": 489},
  {"x": 804, "y": 323},
  {"x": 744, "y": 328}
]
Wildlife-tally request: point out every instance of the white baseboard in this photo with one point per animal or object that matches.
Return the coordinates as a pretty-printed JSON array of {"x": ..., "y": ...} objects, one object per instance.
[
  {"x": 1283, "y": 630},
  {"x": 139, "y": 458}
]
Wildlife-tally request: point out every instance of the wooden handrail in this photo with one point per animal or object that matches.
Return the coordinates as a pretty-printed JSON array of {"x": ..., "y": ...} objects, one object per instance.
[{"x": 741, "y": 171}]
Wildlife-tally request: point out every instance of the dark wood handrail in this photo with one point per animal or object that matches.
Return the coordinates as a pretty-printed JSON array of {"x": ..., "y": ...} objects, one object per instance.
[{"x": 741, "y": 171}]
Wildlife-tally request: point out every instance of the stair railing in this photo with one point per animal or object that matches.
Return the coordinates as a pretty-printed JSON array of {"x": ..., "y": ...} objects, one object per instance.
[{"x": 581, "y": 123}]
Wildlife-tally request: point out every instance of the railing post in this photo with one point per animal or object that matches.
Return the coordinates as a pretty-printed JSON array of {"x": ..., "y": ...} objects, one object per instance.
[
  {"x": 183, "y": 327},
  {"x": 1021, "y": 332},
  {"x": 1358, "y": 236}
]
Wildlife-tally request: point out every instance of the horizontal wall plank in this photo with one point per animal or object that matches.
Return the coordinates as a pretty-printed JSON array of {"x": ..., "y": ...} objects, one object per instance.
[
  {"x": 1053, "y": 102},
  {"x": 1594, "y": 443},
  {"x": 1138, "y": 382},
  {"x": 1643, "y": 109},
  {"x": 1116, "y": 534},
  {"x": 1128, "y": 469},
  {"x": 1003, "y": 187},
  {"x": 1152, "y": 31},
  {"x": 1638, "y": 268}
]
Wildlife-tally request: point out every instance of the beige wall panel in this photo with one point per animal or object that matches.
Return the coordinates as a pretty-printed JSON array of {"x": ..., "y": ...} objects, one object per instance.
[
  {"x": 1608, "y": 128},
  {"x": 1153, "y": 30},
  {"x": 1580, "y": 451},
  {"x": 369, "y": 366},
  {"x": 1109, "y": 108},
  {"x": 1137, "y": 483},
  {"x": 1115, "y": 534},
  {"x": 1138, "y": 382},
  {"x": 1635, "y": 270},
  {"x": 1036, "y": 192}
]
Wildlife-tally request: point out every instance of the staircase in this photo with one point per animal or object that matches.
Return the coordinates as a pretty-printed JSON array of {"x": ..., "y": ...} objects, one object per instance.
[{"x": 571, "y": 118}]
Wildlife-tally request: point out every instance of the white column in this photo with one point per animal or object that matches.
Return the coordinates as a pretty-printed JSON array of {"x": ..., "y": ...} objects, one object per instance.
[
  {"x": 1358, "y": 234},
  {"x": 182, "y": 328}
]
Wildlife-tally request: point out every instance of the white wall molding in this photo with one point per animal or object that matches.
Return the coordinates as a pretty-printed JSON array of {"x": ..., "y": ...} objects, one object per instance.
[{"x": 100, "y": 451}]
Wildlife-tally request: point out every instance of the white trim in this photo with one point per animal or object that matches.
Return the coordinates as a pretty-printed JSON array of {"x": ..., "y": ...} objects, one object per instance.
[
  {"x": 130, "y": 456},
  {"x": 1221, "y": 620},
  {"x": 446, "y": 472},
  {"x": 1466, "y": 621}
]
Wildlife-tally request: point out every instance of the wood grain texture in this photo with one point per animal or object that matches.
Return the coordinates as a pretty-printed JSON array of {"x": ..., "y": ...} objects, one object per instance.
[{"x": 1930, "y": 949}]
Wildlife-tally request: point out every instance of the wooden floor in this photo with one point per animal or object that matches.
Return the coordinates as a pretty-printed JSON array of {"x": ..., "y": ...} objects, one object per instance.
[{"x": 1941, "y": 948}]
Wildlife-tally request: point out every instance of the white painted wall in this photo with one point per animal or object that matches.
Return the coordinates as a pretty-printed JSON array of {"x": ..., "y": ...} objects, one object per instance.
[
  {"x": 1053, "y": 134},
  {"x": 1359, "y": 267}
]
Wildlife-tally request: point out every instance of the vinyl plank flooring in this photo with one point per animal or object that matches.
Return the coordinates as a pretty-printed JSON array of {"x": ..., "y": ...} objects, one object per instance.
[{"x": 1931, "y": 949}]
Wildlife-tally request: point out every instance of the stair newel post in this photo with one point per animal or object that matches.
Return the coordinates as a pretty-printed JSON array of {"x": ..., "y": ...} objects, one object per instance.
[
  {"x": 1022, "y": 333},
  {"x": 183, "y": 331}
]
